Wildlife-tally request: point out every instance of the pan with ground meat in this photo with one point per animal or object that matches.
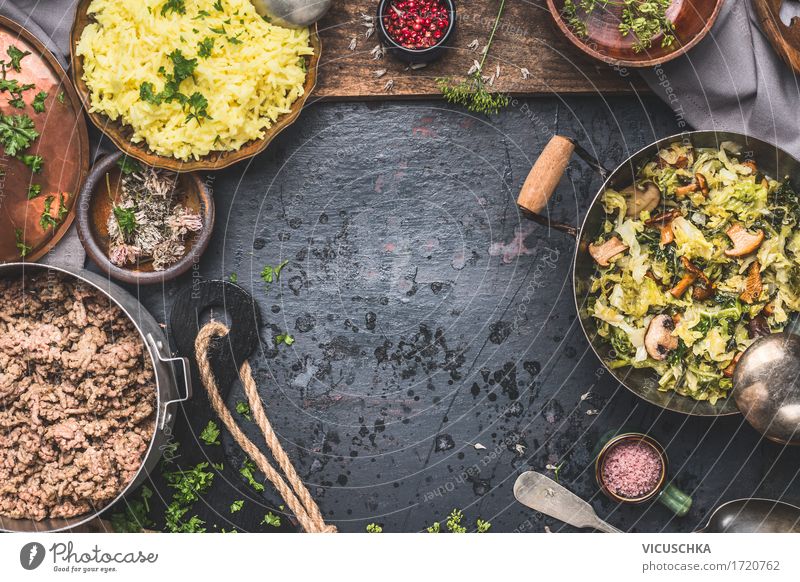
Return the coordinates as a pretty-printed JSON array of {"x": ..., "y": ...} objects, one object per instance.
[{"x": 80, "y": 407}]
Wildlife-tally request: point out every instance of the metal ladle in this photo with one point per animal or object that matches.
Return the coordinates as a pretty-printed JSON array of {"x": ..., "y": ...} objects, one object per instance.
[
  {"x": 753, "y": 516},
  {"x": 292, "y": 13},
  {"x": 766, "y": 387}
]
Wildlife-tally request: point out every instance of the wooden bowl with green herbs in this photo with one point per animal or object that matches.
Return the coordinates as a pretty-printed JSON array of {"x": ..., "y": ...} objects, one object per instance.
[
  {"x": 141, "y": 224},
  {"x": 635, "y": 33}
]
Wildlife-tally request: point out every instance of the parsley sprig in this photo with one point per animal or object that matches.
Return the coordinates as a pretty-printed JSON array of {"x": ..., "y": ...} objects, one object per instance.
[
  {"x": 195, "y": 105},
  {"x": 175, "y": 6}
]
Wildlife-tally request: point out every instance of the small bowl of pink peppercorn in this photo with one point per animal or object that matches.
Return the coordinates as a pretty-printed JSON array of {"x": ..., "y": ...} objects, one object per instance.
[
  {"x": 632, "y": 468},
  {"x": 416, "y": 31}
]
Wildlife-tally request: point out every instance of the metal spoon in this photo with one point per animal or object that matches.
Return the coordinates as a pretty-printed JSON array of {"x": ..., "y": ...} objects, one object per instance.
[
  {"x": 753, "y": 516},
  {"x": 292, "y": 13},
  {"x": 766, "y": 387},
  {"x": 542, "y": 494}
]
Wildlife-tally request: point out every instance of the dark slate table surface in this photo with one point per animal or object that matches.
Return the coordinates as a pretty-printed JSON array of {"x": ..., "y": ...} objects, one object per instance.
[{"x": 429, "y": 317}]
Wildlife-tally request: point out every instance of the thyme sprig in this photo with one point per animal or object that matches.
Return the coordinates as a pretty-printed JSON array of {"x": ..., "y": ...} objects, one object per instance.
[
  {"x": 644, "y": 20},
  {"x": 472, "y": 92}
]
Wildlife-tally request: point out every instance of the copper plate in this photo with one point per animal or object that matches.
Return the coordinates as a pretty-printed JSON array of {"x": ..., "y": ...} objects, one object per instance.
[
  {"x": 63, "y": 143},
  {"x": 692, "y": 18},
  {"x": 120, "y": 134}
]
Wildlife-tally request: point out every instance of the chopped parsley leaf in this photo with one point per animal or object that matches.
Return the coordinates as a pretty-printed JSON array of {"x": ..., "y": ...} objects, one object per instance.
[
  {"x": 17, "y": 132},
  {"x": 270, "y": 274},
  {"x": 34, "y": 190},
  {"x": 126, "y": 220},
  {"x": 205, "y": 47},
  {"x": 247, "y": 472},
  {"x": 198, "y": 108},
  {"x": 23, "y": 248},
  {"x": 243, "y": 408},
  {"x": 46, "y": 220},
  {"x": 237, "y": 505},
  {"x": 271, "y": 519},
  {"x": 34, "y": 162},
  {"x": 175, "y": 6},
  {"x": 210, "y": 434},
  {"x": 38, "y": 102},
  {"x": 16, "y": 57},
  {"x": 190, "y": 484}
]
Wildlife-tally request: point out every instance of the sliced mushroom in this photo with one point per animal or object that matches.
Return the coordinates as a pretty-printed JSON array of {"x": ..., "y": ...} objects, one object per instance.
[
  {"x": 687, "y": 281},
  {"x": 769, "y": 309},
  {"x": 702, "y": 183},
  {"x": 606, "y": 251},
  {"x": 695, "y": 270},
  {"x": 663, "y": 217},
  {"x": 744, "y": 242},
  {"x": 664, "y": 221},
  {"x": 682, "y": 191},
  {"x": 728, "y": 372},
  {"x": 702, "y": 291},
  {"x": 693, "y": 273},
  {"x": 640, "y": 197},
  {"x": 752, "y": 284},
  {"x": 658, "y": 340}
]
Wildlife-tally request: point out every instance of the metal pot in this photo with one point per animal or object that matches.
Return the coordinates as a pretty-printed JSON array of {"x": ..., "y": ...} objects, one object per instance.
[
  {"x": 542, "y": 182},
  {"x": 167, "y": 396}
]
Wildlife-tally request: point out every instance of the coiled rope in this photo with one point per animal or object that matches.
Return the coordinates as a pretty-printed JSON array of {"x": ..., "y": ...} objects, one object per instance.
[{"x": 291, "y": 488}]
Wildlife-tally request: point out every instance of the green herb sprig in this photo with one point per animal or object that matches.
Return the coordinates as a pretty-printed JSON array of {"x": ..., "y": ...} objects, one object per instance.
[
  {"x": 643, "y": 20},
  {"x": 472, "y": 92},
  {"x": 22, "y": 247}
]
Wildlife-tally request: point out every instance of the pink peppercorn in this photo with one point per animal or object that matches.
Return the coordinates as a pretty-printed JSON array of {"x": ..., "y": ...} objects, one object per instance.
[{"x": 632, "y": 469}]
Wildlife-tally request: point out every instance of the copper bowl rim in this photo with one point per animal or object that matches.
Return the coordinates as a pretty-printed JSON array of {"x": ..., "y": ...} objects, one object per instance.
[
  {"x": 631, "y": 437},
  {"x": 636, "y": 63}
]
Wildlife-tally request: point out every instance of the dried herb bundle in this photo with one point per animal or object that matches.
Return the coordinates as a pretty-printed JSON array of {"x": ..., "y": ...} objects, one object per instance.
[
  {"x": 147, "y": 223},
  {"x": 472, "y": 92}
]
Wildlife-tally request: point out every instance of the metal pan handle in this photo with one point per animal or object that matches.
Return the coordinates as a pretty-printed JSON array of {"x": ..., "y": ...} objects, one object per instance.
[
  {"x": 545, "y": 175},
  {"x": 187, "y": 377}
]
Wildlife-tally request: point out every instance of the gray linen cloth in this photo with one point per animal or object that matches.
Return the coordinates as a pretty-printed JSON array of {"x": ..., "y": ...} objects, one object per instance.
[{"x": 733, "y": 80}]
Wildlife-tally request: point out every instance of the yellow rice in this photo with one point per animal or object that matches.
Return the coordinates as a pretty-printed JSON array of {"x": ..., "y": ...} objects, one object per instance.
[{"x": 247, "y": 85}]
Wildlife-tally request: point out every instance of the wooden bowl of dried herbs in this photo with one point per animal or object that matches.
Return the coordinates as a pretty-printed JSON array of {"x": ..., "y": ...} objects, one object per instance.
[
  {"x": 634, "y": 33},
  {"x": 142, "y": 224}
]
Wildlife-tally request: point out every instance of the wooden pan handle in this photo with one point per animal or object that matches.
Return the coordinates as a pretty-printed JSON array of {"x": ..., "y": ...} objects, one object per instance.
[{"x": 545, "y": 174}]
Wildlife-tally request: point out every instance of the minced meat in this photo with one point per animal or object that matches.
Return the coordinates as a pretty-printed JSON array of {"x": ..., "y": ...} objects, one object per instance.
[{"x": 77, "y": 398}]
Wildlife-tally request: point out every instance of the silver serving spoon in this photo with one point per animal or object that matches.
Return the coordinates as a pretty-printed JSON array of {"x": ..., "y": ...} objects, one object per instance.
[
  {"x": 766, "y": 387},
  {"x": 542, "y": 494},
  {"x": 292, "y": 13},
  {"x": 753, "y": 516}
]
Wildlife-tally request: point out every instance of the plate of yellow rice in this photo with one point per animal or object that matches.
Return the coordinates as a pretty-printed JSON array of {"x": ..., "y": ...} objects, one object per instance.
[{"x": 190, "y": 84}]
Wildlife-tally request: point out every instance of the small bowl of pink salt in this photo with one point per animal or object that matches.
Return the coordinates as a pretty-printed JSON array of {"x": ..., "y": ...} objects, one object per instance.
[{"x": 632, "y": 468}]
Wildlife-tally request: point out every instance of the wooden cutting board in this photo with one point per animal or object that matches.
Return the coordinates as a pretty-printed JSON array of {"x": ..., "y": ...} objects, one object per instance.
[{"x": 526, "y": 38}]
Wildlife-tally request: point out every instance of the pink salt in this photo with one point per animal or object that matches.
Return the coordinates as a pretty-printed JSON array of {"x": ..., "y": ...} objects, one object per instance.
[{"x": 632, "y": 469}]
